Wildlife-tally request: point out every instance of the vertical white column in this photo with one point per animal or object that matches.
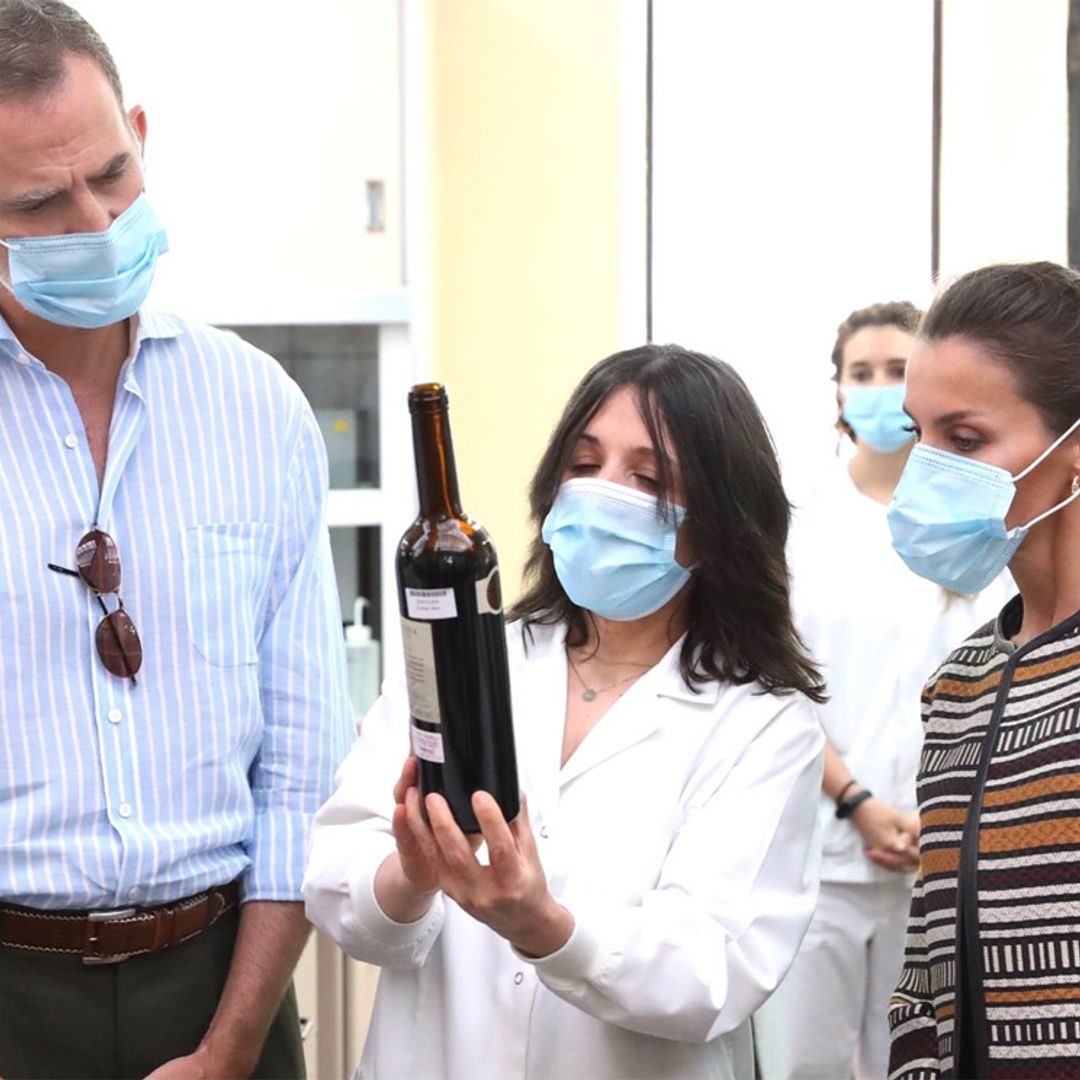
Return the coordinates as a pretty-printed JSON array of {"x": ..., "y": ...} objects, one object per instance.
[{"x": 1005, "y": 132}]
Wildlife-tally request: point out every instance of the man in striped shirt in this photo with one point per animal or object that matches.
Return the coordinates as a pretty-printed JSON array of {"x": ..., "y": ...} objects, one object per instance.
[{"x": 172, "y": 692}]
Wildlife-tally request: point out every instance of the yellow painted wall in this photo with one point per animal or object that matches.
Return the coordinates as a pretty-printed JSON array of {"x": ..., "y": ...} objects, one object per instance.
[{"x": 525, "y": 175}]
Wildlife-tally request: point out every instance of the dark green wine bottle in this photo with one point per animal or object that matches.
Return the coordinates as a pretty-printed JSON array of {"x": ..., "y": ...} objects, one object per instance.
[{"x": 452, "y": 626}]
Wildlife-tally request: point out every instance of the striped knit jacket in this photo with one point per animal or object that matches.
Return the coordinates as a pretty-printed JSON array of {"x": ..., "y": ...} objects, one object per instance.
[{"x": 991, "y": 978}]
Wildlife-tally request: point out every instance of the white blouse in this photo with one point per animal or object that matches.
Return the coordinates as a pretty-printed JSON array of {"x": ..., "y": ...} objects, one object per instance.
[{"x": 681, "y": 836}]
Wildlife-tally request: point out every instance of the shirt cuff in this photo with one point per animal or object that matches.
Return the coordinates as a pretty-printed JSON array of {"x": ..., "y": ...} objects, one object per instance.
[
  {"x": 578, "y": 960},
  {"x": 374, "y": 922},
  {"x": 278, "y": 852}
]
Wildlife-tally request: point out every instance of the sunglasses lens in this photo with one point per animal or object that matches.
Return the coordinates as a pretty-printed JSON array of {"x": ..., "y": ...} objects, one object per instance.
[
  {"x": 118, "y": 645},
  {"x": 99, "y": 561}
]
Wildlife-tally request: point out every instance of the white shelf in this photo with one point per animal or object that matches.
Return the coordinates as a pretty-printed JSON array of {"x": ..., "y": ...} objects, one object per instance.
[
  {"x": 355, "y": 507},
  {"x": 333, "y": 305}
]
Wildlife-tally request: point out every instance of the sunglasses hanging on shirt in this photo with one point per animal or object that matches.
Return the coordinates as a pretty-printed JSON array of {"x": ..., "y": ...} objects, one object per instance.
[{"x": 117, "y": 640}]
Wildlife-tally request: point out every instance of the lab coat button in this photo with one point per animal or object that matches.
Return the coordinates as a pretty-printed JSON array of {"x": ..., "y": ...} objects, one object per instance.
[
  {"x": 519, "y": 978},
  {"x": 543, "y": 831}
]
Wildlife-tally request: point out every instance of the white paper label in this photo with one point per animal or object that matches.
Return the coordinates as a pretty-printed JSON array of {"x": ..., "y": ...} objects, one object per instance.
[
  {"x": 427, "y": 745},
  {"x": 489, "y": 594},
  {"x": 430, "y": 603},
  {"x": 420, "y": 671}
]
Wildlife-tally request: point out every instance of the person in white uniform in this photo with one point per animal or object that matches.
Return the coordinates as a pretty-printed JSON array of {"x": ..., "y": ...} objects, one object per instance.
[
  {"x": 878, "y": 631},
  {"x": 656, "y": 885}
]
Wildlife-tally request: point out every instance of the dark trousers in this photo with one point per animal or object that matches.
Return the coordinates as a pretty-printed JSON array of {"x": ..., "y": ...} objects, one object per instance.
[{"x": 62, "y": 1019}]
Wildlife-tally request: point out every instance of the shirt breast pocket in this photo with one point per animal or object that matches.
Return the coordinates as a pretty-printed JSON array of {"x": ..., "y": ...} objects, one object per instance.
[{"x": 227, "y": 578}]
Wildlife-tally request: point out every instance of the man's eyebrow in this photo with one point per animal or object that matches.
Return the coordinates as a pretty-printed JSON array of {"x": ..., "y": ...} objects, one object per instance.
[
  {"x": 114, "y": 167},
  {"x": 30, "y": 200}
]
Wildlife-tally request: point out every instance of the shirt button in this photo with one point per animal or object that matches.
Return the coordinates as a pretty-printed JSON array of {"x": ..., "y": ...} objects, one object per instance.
[
  {"x": 115, "y": 716},
  {"x": 125, "y": 809},
  {"x": 23, "y": 358},
  {"x": 70, "y": 442},
  {"x": 135, "y": 894},
  {"x": 519, "y": 978},
  {"x": 543, "y": 831}
]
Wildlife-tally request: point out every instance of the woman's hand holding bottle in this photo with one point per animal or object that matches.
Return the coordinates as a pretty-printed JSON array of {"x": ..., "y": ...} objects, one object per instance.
[
  {"x": 406, "y": 881},
  {"x": 510, "y": 894}
]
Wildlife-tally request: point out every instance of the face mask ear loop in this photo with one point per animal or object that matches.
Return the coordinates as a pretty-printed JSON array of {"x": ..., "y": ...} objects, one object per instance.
[
  {"x": 1054, "y": 509},
  {"x": 1038, "y": 461},
  {"x": 1047, "y": 452}
]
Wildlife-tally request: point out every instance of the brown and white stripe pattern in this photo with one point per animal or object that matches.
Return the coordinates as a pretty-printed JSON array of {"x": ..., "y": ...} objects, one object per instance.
[{"x": 991, "y": 979}]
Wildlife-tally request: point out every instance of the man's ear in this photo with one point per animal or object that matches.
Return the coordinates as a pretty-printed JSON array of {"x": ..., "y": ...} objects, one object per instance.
[{"x": 137, "y": 122}]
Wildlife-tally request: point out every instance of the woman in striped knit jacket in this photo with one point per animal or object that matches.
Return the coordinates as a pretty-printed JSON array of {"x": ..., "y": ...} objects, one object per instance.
[{"x": 991, "y": 979}]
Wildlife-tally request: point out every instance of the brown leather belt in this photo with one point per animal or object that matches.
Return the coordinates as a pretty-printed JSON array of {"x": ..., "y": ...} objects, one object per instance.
[{"x": 107, "y": 937}]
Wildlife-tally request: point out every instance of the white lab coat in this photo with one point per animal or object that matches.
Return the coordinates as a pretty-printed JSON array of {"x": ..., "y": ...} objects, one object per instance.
[
  {"x": 877, "y": 631},
  {"x": 681, "y": 836}
]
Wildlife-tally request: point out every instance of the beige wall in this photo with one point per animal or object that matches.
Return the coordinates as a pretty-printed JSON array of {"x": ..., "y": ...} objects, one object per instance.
[{"x": 525, "y": 226}]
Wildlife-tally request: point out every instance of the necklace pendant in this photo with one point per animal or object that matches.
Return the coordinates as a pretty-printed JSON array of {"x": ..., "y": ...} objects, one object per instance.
[{"x": 589, "y": 694}]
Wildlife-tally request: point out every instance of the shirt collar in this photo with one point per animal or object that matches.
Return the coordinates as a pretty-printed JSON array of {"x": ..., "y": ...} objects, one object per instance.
[
  {"x": 666, "y": 676},
  {"x": 148, "y": 323}
]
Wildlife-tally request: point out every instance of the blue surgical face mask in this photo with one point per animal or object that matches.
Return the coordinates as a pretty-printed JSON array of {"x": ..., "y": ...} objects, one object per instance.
[
  {"x": 947, "y": 517},
  {"x": 88, "y": 280},
  {"x": 614, "y": 554},
  {"x": 876, "y": 415}
]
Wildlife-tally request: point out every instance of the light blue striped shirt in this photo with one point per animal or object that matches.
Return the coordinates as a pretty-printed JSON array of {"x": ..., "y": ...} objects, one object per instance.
[{"x": 213, "y": 765}]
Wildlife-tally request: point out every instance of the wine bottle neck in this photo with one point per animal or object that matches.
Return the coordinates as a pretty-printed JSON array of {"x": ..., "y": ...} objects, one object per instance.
[{"x": 436, "y": 472}]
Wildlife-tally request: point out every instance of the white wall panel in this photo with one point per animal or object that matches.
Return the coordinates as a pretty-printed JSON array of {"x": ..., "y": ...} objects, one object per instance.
[
  {"x": 792, "y": 183},
  {"x": 266, "y": 120},
  {"x": 1005, "y": 132}
]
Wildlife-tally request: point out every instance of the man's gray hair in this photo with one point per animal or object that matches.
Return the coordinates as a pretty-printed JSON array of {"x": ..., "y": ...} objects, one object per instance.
[{"x": 36, "y": 39}]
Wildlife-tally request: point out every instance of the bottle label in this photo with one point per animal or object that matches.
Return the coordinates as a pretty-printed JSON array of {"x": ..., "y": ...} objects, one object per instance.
[
  {"x": 427, "y": 745},
  {"x": 420, "y": 671},
  {"x": 489, "y": 594},
  {"x": 431, "y": 603}
]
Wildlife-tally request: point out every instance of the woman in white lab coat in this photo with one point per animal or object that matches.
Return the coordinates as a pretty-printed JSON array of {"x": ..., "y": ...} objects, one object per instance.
[
  {"x": 878, "y": 631},
  {"x": 657, "y": 883}
]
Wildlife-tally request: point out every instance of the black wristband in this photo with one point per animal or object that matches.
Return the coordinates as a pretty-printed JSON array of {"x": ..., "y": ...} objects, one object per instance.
[
  {"x": 846, "y": 809},
  {"x": 843, "y": 791}
]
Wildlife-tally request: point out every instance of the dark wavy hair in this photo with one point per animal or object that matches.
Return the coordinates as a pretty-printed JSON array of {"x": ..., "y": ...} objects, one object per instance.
[{"x": 739, "y": 624}]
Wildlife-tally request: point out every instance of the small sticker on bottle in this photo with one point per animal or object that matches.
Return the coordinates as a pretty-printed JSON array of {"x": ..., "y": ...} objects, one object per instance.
[
  {"x": 489, "y": 594},
  {"x": 427, "y": 745},
  {"x": 423, "y": 687},
  {"x": 430, "y": 604}
]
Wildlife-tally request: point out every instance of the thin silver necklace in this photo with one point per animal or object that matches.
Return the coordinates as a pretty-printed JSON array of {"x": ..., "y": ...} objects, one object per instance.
[{"x": 591, "y": 693}]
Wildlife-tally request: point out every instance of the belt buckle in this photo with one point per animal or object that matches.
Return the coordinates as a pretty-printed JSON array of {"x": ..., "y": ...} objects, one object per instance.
[{"x": 97, "y": 917}]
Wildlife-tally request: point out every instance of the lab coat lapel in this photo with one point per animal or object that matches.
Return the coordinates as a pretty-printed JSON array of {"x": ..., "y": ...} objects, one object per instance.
[{"x": 637, "y": 714}]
